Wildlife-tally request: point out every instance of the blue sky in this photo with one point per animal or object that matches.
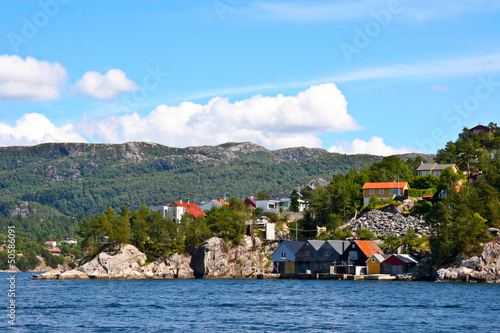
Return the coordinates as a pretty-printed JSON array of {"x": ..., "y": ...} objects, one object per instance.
[{"x": 378, "y": 77}]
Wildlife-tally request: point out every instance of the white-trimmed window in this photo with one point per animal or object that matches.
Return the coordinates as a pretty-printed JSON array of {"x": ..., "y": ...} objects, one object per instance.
[
  {"x": 283, "y": 254},
  {"x": 307, "y": 253},
  {"x": 372, "y": 191},
  {"x": 380, "y": 191},
  {"x": 394, "y": 191},
  {"x": 373, "y": 259}
]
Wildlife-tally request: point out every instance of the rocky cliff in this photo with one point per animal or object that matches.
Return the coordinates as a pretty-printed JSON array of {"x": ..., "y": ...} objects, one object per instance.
[
  {"x": 485, "y": 268},
  {"x": 213, "y": 259}
]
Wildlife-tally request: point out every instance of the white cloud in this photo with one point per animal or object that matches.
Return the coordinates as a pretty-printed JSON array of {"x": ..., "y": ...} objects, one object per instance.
[
  {"x": 281, "y": 121},
  {"x": 35, "y": 128},
  {"x": 30, "y": 79},
  {"x": 375, "y": 146},
  {"x": 105, "y": 87}
]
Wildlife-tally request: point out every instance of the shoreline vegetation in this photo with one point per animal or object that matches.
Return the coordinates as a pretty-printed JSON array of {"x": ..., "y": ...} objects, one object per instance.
[{"x": 453, "y": 230}]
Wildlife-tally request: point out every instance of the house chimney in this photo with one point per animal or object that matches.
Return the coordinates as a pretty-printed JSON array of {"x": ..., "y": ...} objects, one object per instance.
[
  {"x": 180, "y": 200},
  {"x": 187, "y": 200}
]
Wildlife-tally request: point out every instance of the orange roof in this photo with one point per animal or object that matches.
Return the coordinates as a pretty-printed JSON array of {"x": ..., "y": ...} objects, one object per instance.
[
  {"x": 190, "y": 208},
  {"x": 369, "y": 248},
  {"x": 385, "y": 185},
  {"x": 222, "y": 202}
]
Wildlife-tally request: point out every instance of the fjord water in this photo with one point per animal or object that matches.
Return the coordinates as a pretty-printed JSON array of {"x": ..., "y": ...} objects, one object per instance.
[{"x": 207, "y": 305}]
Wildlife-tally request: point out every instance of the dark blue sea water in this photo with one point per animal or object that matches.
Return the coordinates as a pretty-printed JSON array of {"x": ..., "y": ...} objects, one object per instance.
[{"x": 249, "y": 305}]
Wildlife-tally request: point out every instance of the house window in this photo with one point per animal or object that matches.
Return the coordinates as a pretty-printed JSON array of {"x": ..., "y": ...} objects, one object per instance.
[
  {"x": 326, "y": 253},
  {"x": 380, "y": 191},
  {"x": 394, "y": 192},
  {"x": 283, "y": 254},
  {"x": 372, "y": 191},
  {"x": 373, "y": 259},
  {"x": 353, "y": 255},
  {"x": 270, "y": 206},
  {"x": 436, "y": 173},
  {"x": 424, "y": 173},
  {"x": 307, "y": 253}
]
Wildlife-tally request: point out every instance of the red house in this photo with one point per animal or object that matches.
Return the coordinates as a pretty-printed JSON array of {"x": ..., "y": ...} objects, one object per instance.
[
  {"x": 250, "y": 202},
  {"x": 480, "y": 129},
  {"x": 397, "y": 264}
]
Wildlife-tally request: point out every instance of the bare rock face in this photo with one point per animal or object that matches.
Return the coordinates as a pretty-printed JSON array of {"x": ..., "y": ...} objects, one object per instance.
[
  {"x": 173, "y": 266},
  {"x": 476, "y": 269},
  {"x": 119, "y": 264},
  {"x": 214, "y": 259}
]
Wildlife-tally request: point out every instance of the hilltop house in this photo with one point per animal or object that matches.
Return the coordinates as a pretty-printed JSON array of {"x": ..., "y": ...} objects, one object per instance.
[
  {"x": 176, "y": 210},
  {"x": 383, "y": 190},
  {"x": 434, "y": 169},
  {"x": 480, "y": 129}
]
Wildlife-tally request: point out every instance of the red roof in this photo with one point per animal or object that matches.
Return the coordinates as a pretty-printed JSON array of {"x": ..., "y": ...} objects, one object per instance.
[
  {"x": 190, "y": 208},
  {"x": 483, "y": 128},
  {"x": 389, "y": 185},
  {"x": 54, "y": 250},
  {"x": 222, "y": 203},
  {"x": 369, "y": 248},
  {"x": 49, "y": 242}
]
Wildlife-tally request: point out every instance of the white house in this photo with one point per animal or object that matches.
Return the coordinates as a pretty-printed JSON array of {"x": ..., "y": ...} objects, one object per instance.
[
  {"x": 274, "y": 205},
  {"x": 69, "y": 240},
  {"x": 176, "y": 210},
  {"x": 213, "y": 203}
]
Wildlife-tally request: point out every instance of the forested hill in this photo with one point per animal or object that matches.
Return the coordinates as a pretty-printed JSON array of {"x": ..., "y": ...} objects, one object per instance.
[{"x": 68, "y": 178}]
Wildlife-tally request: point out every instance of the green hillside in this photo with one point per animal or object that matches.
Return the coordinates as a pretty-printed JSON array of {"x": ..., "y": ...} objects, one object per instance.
[{"x": 70, "y": 178}]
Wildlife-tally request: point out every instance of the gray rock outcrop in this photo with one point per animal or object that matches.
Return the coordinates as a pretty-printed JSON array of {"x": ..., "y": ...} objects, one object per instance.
[
  {"x": 485, "y": 268},
  {"x": 389, "y": 223},
  {"x": 212, "y": 259}
]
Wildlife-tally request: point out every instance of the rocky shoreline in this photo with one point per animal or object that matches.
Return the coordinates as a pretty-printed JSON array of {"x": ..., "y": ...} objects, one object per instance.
[
  {"x": 484, "y": 268},
  {"x": 213, "y": 259}
]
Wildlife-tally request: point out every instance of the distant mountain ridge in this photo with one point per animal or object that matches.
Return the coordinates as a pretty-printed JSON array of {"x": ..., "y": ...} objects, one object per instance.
[{"x": 67, "y": 178}]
